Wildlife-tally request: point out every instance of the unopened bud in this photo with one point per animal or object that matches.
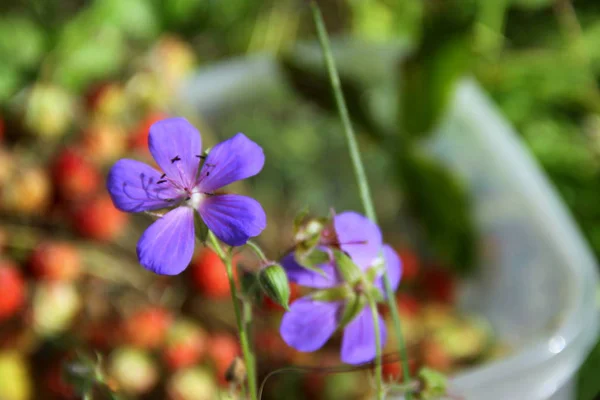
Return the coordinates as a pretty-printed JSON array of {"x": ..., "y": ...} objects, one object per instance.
[
  {"x": 236, "y": 373},
  {"x": 274, "y": 283}
]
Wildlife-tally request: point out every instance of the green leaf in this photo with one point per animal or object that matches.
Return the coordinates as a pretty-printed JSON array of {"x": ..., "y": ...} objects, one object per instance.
[
  {"x": 347, "y": 268},
  {"x": 22, "y": 42},
  {"x": 588, "y": 384},
  {"x": 429, "y": 76},
  {"x": 434, "y": 384}
]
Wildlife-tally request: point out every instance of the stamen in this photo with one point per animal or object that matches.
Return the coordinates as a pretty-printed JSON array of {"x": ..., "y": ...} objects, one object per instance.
[
  {"x": 176, "y": 158},
  {"x": 163, "y": 176},
  {"x": 161, "y": 181},
  {"x": 201, "y": 157}
]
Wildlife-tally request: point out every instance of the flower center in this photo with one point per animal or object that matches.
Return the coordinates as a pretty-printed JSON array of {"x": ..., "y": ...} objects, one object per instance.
[{"x": 194, "y": 200}]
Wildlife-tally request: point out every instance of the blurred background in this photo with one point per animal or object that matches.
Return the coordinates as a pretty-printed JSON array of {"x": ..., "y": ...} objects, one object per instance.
[{"x": 82, "y": 81}]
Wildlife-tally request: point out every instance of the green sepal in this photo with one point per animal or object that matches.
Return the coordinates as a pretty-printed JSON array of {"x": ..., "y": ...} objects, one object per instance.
[
  {"x": 375, "y": 294},
  {"x": 434, "y": 384},
  {"x": 353, "y": 307},
  {"x": 299, "y": 220},
  {"x": 376, "y": 270},
  {"x": 309, "y": 230},
  {"x": 274, "y": 283},
  {"x": 200, "y": 228},
  {"x": 312, "y": 259},
  {"x": 338, "y": 293},
  {"x": 349, "y": 271}
]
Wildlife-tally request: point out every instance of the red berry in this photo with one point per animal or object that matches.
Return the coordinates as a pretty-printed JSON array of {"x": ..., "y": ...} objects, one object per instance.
[
  {"x": 12, "y": 287},
  {"x": 147, "y": 328},
  {"x": 139, "y": 135},
  {"x": 439, "y": 285},
  {"x": 103, "y": 142},
  {"x": 223, "y": 349},
  {"x": 186, "y": 345},
  {"x": 55, "y": 261},
  {"x": 99, "y": 219},
  {"x": 411, "y": 264},
  {"x": 209, "y": 275},
  {"x": 74, "y": 177}
]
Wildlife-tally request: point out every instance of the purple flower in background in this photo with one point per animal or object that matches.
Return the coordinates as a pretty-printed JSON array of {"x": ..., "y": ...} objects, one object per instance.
[
  {"x": 167, "y": 246},
  {"x": 310, "y": 322}
]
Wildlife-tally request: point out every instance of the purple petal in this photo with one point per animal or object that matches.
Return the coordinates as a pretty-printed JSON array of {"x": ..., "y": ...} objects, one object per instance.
[
  {"x": 175, "y": 145},
  {"x": 132, "y": 187},
  {"x": 305, "y": 277},
  {"x": 167, "y": 246},
  {"x": 358, "y": 343},
  {"x": 229, "y": 161},
  {"x": 393, "y": 266},
  {"x": 358, "y": 236},
  {"x": 309, "y": 324},
  {"x": 233, "y": 218}
]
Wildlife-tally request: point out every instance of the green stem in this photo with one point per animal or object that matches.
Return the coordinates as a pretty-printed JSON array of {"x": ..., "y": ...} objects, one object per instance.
[
  {"x": 257, "y": 250},
  {"x": 377, "y": 329},
  {"x": 359, "y": 171},
  {"x": 241, "y": 324}
]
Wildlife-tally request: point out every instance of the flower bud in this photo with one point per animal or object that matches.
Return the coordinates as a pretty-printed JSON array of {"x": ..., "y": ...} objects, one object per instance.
[{"x": 274, "y": 284}]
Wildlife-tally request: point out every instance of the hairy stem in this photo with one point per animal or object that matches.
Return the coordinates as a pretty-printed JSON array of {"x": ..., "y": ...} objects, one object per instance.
[
  {"x": 241, "y": 324},
  {"x": 359, "y": 171}
]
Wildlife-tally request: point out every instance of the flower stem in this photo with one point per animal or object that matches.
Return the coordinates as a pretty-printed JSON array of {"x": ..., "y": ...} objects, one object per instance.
[
  {"x": 359, "y": 171},
  {"x": 241, "y": 324},
  {"x": 257, "y": 250},
  {"x": 377, "y": 329}
]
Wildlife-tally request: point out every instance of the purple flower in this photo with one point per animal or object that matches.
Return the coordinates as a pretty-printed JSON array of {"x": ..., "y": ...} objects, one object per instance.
[
  {"x": 310, "y": 322},
  {"x": 167, "y": 246}
]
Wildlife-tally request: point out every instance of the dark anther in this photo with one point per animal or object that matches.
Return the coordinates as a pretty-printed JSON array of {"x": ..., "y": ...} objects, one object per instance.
[
  {"x": 187, "y": 198},
  {"x": 207, "y": 173},
  {"x": 169, "y": 200},
  {"x": 176, "y": 158},
  {"x": 161, "y": 181},
  {"x": 202, "y": 157},
  {"x": 163, "y": 176}
]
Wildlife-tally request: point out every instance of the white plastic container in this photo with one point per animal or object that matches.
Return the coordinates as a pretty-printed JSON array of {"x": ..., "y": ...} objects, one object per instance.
[{"x": 538, "y": 278}]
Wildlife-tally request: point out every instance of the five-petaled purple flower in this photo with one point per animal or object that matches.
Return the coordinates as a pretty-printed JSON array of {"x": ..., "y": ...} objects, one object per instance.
[
  {"x": 310, "y": 322},
  {"x": 167, "y": 246}
]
